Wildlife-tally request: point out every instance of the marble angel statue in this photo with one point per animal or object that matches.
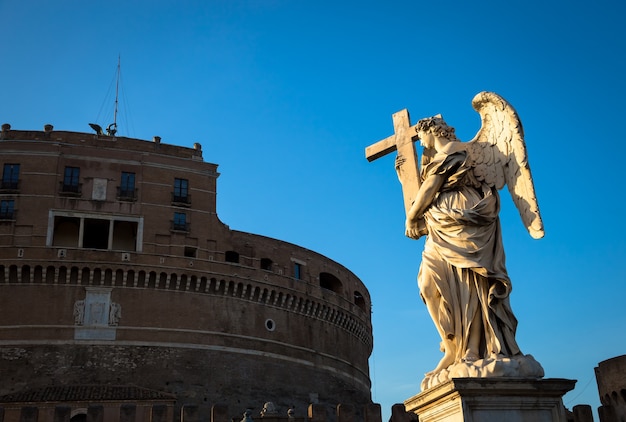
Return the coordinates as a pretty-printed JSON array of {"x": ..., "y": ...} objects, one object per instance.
[{"x": 462, "y": 277}]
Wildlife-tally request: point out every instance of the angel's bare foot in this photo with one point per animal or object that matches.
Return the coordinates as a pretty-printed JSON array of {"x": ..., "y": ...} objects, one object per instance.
[
  {"x": 449, "y": 350},
  {"x": 470, "y": 356}
]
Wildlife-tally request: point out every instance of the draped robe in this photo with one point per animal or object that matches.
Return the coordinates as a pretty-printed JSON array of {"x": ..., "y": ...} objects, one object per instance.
[{"x": 464, "y": 258}]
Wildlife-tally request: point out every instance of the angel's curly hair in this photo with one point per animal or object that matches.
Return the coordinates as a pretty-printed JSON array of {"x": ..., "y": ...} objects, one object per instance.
[{"x": 437, "y": 126}]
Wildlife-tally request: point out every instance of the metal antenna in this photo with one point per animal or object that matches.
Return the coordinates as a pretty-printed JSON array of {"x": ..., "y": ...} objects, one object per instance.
[{"x": 112, "y": 128}]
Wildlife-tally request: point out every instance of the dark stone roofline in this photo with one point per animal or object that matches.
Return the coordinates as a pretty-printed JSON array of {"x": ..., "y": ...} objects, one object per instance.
[{"x": 89, "y": 393}]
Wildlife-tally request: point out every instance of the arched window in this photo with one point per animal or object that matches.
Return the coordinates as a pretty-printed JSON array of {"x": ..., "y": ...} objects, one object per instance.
[
  {"x": 231, "y": 256},
  {"x": 330, "y": 282}
]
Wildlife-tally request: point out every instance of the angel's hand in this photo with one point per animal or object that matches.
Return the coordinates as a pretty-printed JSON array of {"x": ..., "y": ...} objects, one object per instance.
[
  {"x": 399, "y": 161},
  {"x": 413, "y": 228}
]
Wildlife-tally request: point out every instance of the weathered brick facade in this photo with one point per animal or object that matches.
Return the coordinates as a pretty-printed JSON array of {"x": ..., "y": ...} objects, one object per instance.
[{"x": 115, "y": 270}]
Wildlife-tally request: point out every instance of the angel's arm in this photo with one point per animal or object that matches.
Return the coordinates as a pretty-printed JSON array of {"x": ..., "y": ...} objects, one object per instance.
[{"x": 424, "y": 198}]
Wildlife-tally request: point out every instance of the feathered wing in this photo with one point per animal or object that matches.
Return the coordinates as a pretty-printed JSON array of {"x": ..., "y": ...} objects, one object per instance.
[{"x": 498, "y": 153}]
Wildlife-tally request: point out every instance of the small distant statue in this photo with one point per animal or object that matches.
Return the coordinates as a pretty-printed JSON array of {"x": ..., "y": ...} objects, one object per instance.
[
  {"x": 115, "y": 313},
  {"x": 269, "y": 409},
  {"x": 79, "y": 312},
  {"x": 452, "y": 198},
  {"x": 247, "y": 416}
]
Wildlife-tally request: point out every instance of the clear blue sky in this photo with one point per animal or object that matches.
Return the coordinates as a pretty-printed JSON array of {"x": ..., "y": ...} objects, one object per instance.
[{"x": 285, "y": 96}]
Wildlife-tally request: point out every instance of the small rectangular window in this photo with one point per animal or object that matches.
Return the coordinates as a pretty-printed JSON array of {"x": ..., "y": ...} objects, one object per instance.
[
  {"x": 297, "y": 271},
  {"x": 126, "y": 189},
  {"x": 181, "y": 191},
  {"x": 10, "y": 176},
  {"x": 266, "y": 264},
  {"x": 180, "y": 221},
  {"x": 7, "y": 209},
  {"x": 71, "y": 179}
]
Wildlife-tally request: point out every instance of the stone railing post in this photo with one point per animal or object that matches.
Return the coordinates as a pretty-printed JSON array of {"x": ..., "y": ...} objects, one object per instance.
[{"x": 317, "y": 413}]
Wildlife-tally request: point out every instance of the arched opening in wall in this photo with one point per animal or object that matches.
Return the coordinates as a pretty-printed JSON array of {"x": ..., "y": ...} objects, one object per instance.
[
  {"x": 119, "y": 278},
  {"x": 230, "y": 290},
  {"x": 231, "y": 256},
  {"x": 79, "y": 415},
  {"x": 162, "y": 281},
  {"x": 2, "y": 274},
  {"x": 152, "y": 280},
  {"x": 266, "y": 264},
  {"x": 25, "y": 274},
  {"x": 299, "y": 304},
  {"x": 193, "y": 284},
  {"x": 210, "y": 286},
  {"x": 49, "y": 274},
  {"x": 97, "y": 276},
  {"x": 130, "y": 278},
  {"x": 203, "y": 285},
  {"x": 38, "y": 276},
  {"x": 84, "y": 278},
  {"x": 182, "y": 285},
  {"x": 141, "y": 279},
  {"x": 66, "y": 231},
  {"x": 359, "y": 301},
  {"x": 330, "y": 282},
  {"x": 74, "y": 275},
  {"x": 173, "y": 282},
  {"x": 254, "y": 292},
  {"x": 62, "y": 275},
  {"x": 216, "y": 286},
  {"x": 13, "y": 274},
  {"x": 108, "y": 277}
]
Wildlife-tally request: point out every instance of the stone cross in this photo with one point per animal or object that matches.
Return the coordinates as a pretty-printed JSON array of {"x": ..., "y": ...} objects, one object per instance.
[{"x": 403, "y": 140}]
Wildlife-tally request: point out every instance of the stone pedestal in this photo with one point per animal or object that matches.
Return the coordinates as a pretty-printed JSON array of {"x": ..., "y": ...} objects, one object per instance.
[{"x": 492, "y": 400}]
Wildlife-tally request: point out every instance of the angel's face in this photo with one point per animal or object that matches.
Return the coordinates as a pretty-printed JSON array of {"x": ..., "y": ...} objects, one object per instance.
[{"x": 427, "y": 139}]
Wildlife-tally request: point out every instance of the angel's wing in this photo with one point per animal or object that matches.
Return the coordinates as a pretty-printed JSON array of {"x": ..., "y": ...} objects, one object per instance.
[{"x": 499, "y": 157}]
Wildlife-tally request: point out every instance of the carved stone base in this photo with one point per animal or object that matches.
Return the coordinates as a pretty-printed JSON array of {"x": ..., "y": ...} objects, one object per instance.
[
  {"x": 520, "y": 366},
  {"x": 492, "y": 400}
]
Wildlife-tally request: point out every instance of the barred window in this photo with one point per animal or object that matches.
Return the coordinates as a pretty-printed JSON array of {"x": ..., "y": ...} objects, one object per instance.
[
  {"x": 181, "y": 190},
  {"x": 7, "y": 209},
  {"x": 10, "y": 176},
  {"x": 71, "y": 179}
]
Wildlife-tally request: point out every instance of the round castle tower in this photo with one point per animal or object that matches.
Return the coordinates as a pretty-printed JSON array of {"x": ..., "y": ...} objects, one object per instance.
[{"x": 115, "y": 270}]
